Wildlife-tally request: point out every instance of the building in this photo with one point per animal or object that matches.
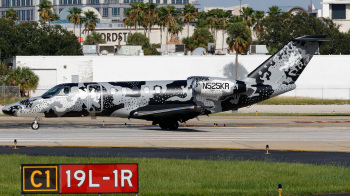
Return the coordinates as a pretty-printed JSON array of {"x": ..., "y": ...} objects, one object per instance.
[
  {"x": 234, "y": 10},
  {"x": 338, "y": 11},
  {"x": 109, "y": 9},
  {"x": 293, "y": 9}
]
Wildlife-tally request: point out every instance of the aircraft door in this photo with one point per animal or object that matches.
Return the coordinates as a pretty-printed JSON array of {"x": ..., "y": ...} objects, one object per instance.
[{"x": 95, "y": 98}]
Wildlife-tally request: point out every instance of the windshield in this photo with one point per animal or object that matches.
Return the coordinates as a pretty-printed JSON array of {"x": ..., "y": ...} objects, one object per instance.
[{"x": 57, "y": 90}]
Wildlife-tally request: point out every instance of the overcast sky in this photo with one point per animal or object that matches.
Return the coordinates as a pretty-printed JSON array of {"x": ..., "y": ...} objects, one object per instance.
[{"x": 260, "y": 4}]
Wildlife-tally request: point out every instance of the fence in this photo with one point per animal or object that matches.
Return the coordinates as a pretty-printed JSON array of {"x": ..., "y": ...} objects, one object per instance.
[{"x": 10, "y": 91}]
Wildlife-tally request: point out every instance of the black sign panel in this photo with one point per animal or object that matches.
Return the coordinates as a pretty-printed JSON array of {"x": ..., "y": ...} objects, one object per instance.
[{"x": 39, "y": 179}]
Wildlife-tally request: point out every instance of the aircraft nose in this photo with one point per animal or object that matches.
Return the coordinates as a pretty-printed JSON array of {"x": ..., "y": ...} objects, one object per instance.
[{"x": 10, "y": 109}]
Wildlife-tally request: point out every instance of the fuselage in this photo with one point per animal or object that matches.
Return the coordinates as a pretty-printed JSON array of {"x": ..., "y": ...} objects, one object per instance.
[{"x": 166, "y": 102}]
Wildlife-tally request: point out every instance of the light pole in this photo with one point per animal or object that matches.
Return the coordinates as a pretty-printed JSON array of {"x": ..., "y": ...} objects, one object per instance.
[{"x": 240, "y": 7}]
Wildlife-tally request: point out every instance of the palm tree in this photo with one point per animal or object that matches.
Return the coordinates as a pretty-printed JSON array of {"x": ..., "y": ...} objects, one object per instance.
[
  {"x": 240, "y": 38},
  {"x": 74, "y": 16},
  {"x": 127, "y": 21},
  {"x": 90, "y": 21},
  {"x": 11, "y": 15},
  {"x": 151, "y": 16},
  {"x": 223, "y": 22},
  {"x": 94, "y": 39},
  {"x": 25, "y": 77},
  {"x": 137, "y": 13},
  {"x": 161, "y": 21},
  {"x": 190, "y": 14},
  {"x": 274, "y": 11},
  {"x": 258, "y": 28},
  {"x": 248, "y": 16},
  {"x": 213, "y": 21},
  {"x": 45, "y": 10},
  {"x": 54, "y": 17},
  {"x": 169, "y": 12}
]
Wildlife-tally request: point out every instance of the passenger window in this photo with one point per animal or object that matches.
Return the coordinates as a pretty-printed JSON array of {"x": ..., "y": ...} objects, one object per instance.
[
  {"x": 124, "y": 90},
  {"x": 113, "y": 91},
  {"x": 146, "y": 90},
  {"x": 157, "y": 89},
  {"x": 64, "y": 91}
]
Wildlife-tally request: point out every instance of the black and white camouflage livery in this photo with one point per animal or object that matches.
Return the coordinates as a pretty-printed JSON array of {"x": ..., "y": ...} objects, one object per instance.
[{"x": 168, "y": 102}]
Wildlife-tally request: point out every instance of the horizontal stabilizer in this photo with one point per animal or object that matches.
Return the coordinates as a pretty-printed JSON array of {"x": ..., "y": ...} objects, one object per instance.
[{"x": 312, "y": 38}]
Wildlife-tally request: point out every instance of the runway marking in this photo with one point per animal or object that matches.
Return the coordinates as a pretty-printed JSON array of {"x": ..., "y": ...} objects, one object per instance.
[{"x": 322, "y": 121}]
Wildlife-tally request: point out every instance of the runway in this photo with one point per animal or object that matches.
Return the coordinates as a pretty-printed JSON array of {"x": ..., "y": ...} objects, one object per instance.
[
  {"x": 280, "y": 133},
  {"x": 339, "y": 159}
]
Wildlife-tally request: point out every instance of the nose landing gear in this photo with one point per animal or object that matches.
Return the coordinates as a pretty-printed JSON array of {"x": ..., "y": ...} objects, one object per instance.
[{"x": 35, "y": 125}]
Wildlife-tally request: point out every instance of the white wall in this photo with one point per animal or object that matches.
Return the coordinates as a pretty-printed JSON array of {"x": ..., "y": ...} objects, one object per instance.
[
  {"x": 65, "y": 67},
  {"x": 325, "y": 77}
]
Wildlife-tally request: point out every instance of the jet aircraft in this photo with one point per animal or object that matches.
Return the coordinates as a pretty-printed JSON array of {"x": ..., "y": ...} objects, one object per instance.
[{"x": 169, "y": 102}]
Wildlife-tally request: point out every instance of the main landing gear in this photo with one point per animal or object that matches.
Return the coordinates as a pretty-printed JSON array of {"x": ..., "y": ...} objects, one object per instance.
[{"x": 169, "y": 124}]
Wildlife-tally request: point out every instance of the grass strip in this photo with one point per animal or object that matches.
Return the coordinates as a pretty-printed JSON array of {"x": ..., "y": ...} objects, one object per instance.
[
  {"x": 303, "y": 101},
  {"x": 202, "y": 177},
  {"x": 5, "y": 101}
]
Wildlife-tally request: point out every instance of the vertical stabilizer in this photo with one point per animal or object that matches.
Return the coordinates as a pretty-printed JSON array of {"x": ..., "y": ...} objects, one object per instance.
[{"x": 286, "y": 65}]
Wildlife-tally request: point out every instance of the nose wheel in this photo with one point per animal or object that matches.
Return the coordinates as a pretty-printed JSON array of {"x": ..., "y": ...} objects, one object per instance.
[{"x": 35, "y": 125}]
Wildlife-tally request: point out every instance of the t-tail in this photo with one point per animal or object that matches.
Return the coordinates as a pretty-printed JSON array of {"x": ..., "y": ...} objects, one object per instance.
[{"x": 282, "y": 69}]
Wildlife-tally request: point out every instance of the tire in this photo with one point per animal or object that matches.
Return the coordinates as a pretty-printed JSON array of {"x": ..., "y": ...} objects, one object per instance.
[
  {"x": 35, "y": 126},
  {"x": 173, "y": 125},
  {"x": 163, "y": 125}
]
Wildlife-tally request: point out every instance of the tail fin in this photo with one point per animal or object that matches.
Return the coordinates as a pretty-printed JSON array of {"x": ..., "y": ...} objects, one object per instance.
[{"x": 286, "y": 65}]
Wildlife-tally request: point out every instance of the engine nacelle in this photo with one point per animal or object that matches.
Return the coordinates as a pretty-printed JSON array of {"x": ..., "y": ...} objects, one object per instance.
[{"x": 213, "y": 86}]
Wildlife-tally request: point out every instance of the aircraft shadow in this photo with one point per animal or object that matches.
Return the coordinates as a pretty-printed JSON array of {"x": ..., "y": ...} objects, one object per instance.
[{"x": 178, "y": 130}]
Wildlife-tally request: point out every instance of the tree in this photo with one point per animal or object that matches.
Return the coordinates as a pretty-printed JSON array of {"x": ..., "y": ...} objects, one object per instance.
[
  {"x": 127, "y": 21},
  {"x": 36, "y": 39},
  {"x": 45, "y": 11},
  {"x": 3, "y": 73},
  {"x": 137, "y": 39},
  {"x": 90, "y": 21},
  {"x": 239, "y": 39},
  {"x": 94, "y": 39},
  {"x": 248, "y": 16},
  {"x": 137, "y": 13},
  {"x": 202, "y": 20},
  {"x": 11, "y": 15},
  {"x": 223, "y": 22},
  {"x": 200, "y": 38},
  {"x": 161, "y": 21},
  {"x": 258, "y": 28},
  {"x": 190, "y": 14},
  {"x": 274, "y": 11},
  {"x": 25, "y": 77},
  {"x": 74, "y": 16},
  {"x": 280, "y": 27},
  {"x": 213, "y": 19},
  {"x": 150, "y": 16},
  {"x": 54, "y": 17},
  {"x": 169, "y": 13}
]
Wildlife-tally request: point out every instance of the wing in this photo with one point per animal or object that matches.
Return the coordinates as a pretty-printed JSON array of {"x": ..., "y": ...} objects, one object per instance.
[{"x": 181, "y": 114}]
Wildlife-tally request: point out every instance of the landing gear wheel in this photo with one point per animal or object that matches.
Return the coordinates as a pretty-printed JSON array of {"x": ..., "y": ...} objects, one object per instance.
[
  {"x": 35, "y": 125},
  {"x": 163, "y": 125},
  {"x": 172, "y": 125}
]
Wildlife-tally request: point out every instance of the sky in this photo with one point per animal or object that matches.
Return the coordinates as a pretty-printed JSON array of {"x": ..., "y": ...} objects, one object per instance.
[{"x": 260, "y": 4}]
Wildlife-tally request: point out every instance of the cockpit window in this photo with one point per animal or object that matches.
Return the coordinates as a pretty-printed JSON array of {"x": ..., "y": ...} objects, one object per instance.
[
  {"x": 57, "y": 90},
  {"x": 64, "y": 91}
]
